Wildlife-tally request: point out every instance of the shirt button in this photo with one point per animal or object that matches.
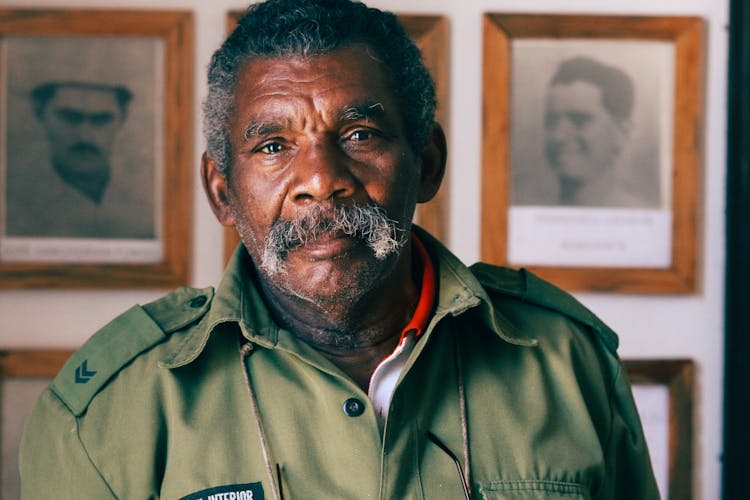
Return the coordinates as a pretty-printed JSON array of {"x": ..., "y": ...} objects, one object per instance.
[
  {"x": 198, "y": 301},
  {"x": 353, "y": 407}
]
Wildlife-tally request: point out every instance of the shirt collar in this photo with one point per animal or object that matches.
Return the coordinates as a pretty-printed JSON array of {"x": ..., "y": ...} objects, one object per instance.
[
  {"x": 458, "y": 291},
  {"x": 421, "y": 318}
]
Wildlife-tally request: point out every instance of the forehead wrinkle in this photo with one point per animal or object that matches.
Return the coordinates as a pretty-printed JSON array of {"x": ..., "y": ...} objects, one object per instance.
[
  {"x": 265, "y": 127},
  {"x": 271, "y": 117},
  {"x": 367, "y": 110},
  {"x": 275, "y": 120}
]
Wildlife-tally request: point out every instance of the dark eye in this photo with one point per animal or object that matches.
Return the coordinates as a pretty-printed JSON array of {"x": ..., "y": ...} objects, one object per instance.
[
  {"x": 72, "y": 117},
  {"x": 101, "y": 119},
  {"x": 580, "y": 119},
  {"x": 270, "y": 148},
  {"x": 360, "y": 135}
]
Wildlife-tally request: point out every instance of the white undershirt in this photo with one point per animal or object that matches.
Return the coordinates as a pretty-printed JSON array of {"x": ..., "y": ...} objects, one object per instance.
[{"x": 385, "y": 376}]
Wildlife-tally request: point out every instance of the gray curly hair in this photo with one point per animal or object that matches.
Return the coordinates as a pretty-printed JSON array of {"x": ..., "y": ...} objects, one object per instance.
[{"x": 282, "y": 28}]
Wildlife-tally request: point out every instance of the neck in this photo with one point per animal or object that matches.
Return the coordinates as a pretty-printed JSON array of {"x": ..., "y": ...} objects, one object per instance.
[
  {"x": 569, "y": 190},
  {"x": 589, "y": 193},
  {"x": 356, "y": 334},
  {"x": 91, "y": 185}
]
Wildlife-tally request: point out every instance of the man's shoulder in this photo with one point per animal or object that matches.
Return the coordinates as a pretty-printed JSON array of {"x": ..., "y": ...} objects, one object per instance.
[
  {"x": 130, "y": 335},
  {"x": 523, "y": 286}
]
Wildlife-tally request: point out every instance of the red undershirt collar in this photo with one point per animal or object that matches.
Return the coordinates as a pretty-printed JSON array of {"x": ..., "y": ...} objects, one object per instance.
[{"x": 423, "y": 312}]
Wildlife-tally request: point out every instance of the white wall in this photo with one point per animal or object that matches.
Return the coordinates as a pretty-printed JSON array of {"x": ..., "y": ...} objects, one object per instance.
[{"x": 649, "y": 327}]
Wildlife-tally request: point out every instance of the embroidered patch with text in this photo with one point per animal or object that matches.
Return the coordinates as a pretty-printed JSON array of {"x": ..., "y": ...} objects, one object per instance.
[{"x": 250, "y": 491}]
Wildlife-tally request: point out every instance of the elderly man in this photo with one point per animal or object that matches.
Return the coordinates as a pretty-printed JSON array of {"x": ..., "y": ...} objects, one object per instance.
[{"x": 346, "y": 354}]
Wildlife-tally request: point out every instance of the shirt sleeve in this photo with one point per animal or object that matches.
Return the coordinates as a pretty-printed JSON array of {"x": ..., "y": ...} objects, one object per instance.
[
  {"x": 628, "y": 464},
  {"x": 52, "y": 460}
]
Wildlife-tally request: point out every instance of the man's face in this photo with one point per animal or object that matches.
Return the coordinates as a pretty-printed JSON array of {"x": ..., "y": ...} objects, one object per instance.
[
  {"x": 81, "y": 124},
  {"x": 582, "y": 139},
  {"x": 309, "y": 135}
]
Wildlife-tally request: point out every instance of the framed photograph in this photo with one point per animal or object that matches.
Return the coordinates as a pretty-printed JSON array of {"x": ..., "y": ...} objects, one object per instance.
[
  {"x": 431, "y": 35},
  {"x": 95, "y": 148},
  {"x": 663, "y": 392},
  {"x": 23, "y": 377},
  {"x": 591, "y": 149}
]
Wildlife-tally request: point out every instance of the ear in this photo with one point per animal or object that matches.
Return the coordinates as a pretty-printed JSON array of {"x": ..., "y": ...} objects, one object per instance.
[
  {"x": 622, "y": 129},
  {"x": 433, "y": 158},
  {"x": 215, "y": 186}
]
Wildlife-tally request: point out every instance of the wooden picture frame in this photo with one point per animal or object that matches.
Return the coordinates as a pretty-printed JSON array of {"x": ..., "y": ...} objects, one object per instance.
[
  {"x": 116, "y": 212},
  {"x": 23, "y": 375},
  {"x": 431, "y": 35},
  {"x": 677, "y": 377},
  {"x": 601, "y": 238}
]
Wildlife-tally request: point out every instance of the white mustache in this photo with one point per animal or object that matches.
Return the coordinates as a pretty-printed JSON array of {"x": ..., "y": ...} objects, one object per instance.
[{"x": 369, "y": 223}]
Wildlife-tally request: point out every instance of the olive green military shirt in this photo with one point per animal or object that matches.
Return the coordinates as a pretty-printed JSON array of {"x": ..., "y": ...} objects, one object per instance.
[{"x": 202, "y": 395}]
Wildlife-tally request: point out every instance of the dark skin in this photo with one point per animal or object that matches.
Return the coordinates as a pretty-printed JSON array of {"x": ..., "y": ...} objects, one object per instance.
[{"x": 327, "y": 130}]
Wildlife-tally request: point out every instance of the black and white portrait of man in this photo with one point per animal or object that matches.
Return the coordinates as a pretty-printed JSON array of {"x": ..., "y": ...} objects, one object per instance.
[
  {"x": 81, "y": 121},
  {"x": 83, "y": 148},
  {"x": 586, "y": 126}
]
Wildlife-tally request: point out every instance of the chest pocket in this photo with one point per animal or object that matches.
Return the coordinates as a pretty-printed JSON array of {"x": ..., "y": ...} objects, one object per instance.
[{"x": 533, "y": 489}]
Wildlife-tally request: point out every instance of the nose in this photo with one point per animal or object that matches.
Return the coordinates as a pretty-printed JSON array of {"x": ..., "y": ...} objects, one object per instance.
[
  {"x": 86, "y": 132},
  {"x": 561, "y": 129},
  {"x": 322, "y": 172},
  {"x": 89, "y": 130}
]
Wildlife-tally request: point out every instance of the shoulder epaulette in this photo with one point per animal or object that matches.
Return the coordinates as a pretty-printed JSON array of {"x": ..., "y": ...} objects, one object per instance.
[
  {"x": 526, "y": 286},
  {"x": 122, "y": 340}
]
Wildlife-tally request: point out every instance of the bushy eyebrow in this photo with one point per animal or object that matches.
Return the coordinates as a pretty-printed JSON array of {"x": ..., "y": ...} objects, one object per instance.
[
  {"x": 367, "y": 110},
  {"x": 261, "y": 128}
]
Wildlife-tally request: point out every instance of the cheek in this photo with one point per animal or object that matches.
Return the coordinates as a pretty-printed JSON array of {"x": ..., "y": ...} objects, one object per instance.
[
  {"x": 603, "y": 140},
  {"x": 409, "y": 177},
  {"x": 399, "y": 192},
  {"x": 247, "y": 225},
  {"x": 253, "y": 203},
  {"x": 106, "y": 134},
  {"x": 60, "y": 133}
]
